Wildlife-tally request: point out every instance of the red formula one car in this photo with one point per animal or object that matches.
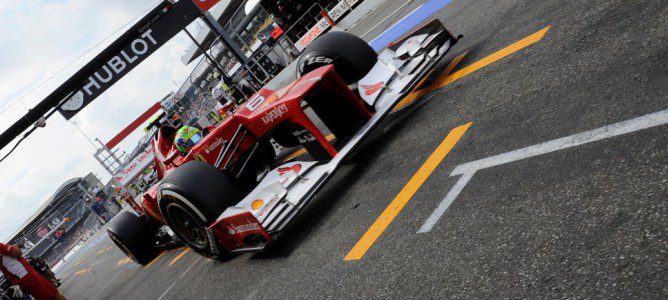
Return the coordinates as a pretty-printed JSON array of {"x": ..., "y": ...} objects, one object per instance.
[{"x": 230, "y": 194}]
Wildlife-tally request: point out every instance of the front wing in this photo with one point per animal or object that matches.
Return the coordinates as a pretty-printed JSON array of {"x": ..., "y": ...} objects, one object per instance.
[{"x": 267, "y": 211}]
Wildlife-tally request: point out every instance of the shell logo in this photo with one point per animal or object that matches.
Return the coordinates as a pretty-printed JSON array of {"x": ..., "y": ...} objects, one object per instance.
[{"x": 257, "y": 204}]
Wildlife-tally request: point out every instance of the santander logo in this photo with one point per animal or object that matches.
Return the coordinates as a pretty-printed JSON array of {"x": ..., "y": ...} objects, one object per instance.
[
  {"x": 372, "y": 89},
  {"x": 214, "y": 145}
]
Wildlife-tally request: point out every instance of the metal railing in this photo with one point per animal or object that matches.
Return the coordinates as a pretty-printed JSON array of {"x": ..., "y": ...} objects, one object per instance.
[{"x": 264, "y": 63}]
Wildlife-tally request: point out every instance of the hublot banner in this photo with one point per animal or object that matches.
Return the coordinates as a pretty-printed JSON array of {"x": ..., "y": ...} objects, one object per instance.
[{"x": 152, "y": 35}]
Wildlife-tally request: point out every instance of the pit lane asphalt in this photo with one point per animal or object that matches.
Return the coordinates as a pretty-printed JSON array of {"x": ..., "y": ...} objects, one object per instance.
[{"x": 588, "y": 221}]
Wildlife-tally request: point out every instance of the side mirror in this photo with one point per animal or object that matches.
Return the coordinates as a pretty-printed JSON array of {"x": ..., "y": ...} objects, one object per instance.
[{"x": 172, "y": 155}]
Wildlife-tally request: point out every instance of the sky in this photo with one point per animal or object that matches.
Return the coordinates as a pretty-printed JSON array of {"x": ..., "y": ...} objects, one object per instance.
[{"x": 39, "y": 38}]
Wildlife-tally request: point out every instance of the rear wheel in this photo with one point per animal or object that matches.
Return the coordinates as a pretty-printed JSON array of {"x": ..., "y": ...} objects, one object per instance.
[
  {"x": 133, "y": 237},
  {"x": 191, "y": 199}
]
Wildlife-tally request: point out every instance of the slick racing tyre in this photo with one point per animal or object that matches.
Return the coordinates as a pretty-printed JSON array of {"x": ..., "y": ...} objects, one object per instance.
[
  {"x": 351, "y": 56},
  {"x": 133, "y": 237},
  {"x": 191, "y": 198}
]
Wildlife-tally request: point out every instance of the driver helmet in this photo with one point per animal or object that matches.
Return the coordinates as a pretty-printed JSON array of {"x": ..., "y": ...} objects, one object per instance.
[{"x": 186, "y": 138}]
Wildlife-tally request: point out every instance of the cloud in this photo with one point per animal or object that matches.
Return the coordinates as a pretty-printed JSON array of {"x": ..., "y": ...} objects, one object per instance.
[{"x": 41, "y": 37}]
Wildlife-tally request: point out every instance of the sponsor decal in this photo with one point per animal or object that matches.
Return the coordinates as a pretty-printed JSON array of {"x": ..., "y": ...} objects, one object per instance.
[
  {"x": 339, "y": 10},
  {"x": 249, "y": 226},
  {"x": 294, "y": 168},
  {"x": 275, "y": 113},
  {"x": 137, "y": 166},
  {"x": 319, "y": 59},
  {"x": 304, "y": 136},
  {"x": 313, "y": 60},
  {"x": 268, "y": 206},
  {"x": 42, "y": 232},
  {"x": 257, "y": 204},
  {"x": 313, "y": 33},
  {"x": 254, "y": 103},
  {"x": 74, "y": 103},
  {"x": 106, "y": 69},
  {"x": 114, "y": 67},
  {"x": 372, "y": 89},
  {"x": 208, "y": 148},
  {"x": 310, "y": 36}
]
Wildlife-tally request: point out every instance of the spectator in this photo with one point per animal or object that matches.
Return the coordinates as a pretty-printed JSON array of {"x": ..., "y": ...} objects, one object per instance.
[{"x": 19, "y": 272}]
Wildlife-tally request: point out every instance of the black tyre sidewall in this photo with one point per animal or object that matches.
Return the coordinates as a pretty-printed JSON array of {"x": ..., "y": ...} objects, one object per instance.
[
  {"x": 207, "y": 191},
  {"x": 134, "y": 236},
  {"x": 351, "y": 56},
  {"x": 206, "y": 250}
]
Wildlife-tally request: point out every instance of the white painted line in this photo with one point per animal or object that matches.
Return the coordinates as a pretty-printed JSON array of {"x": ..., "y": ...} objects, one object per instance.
[
  {"x": 254, "y": 294},
  {"x": 640, "y": 123},
  {"x": 106, "y": 285},
  {"x": 363, "y": 18},
  {"x": 175, "y": 281},
  {"x": 468, "y": 169},
  {"x": 443, "y": 206},
  {"x": 388, "y": 16}
]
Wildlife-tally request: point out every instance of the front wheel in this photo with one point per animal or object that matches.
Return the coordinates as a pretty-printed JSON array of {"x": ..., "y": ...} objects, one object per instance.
[
  {"x": 191, "y": 199},
  {"x": 351, "y": 56}
]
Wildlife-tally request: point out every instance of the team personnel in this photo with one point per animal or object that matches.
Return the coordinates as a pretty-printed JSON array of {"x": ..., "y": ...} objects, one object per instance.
[{"x": 19, "y": 272}]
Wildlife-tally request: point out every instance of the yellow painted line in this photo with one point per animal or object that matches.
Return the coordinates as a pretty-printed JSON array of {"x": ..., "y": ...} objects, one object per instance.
[
  {"x": 104, "y": 250},
  {"x": 179, "y": 256},
  {"x": 415, "y": 95},
  {"x": 81, "y": 271},
  {"x": 303, "y": 151},
  {"x": 123, "y": 261},
  {"x": 154, "y": 260},
  {"x": 447, "y": 78},
  {"x": 517, "y": 46},
  {"x": 406, "y": 193}
]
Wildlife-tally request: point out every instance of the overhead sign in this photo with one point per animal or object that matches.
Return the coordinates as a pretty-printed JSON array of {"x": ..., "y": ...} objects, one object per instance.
[
  {"x": 135, "y": 168},
  {"x": 151, "y": 35},
  {"x": 205, "y": 5}
]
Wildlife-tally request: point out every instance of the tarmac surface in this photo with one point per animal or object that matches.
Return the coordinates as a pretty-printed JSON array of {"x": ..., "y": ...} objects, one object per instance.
[{"x": 563, "y": 109}]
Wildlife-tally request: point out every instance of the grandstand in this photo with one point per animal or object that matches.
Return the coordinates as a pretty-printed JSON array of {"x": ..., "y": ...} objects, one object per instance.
[{"x": 63, "y": 220}]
